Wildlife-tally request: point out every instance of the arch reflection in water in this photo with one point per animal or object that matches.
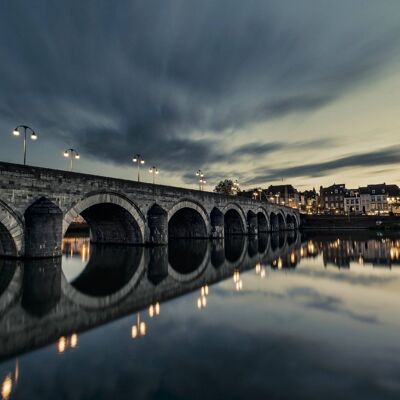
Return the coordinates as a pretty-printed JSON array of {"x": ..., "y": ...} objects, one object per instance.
[
  {"x": 187, "y": 256},
  {"x": 109, "y": 269},
  {"x": 234, "y": 248},
  {"x": 171, "y": 271}
]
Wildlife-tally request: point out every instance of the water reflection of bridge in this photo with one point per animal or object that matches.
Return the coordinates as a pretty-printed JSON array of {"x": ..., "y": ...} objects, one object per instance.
[{"x": 38, "y": 304}]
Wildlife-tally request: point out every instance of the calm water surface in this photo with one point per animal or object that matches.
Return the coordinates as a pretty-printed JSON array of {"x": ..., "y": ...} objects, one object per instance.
[{"x": 283, "y": 317}]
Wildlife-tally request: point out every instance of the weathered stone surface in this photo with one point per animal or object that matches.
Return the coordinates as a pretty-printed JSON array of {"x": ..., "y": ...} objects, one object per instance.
[{"x": 119, "y": 211}]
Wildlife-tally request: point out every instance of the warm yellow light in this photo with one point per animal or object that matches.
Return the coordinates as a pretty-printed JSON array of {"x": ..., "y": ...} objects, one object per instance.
[
  {"x": 157, "y": 307},
  {"x": 142, "y": 328},
  {"x": 62, "y": 344},
  {"x": 6, "y": 388},
  {"x": 141, "y": 161},
  {"x": 66, "y": 154},
  {"x": 74, "y": 340},
  {"x": 134, "y": 332},
  {"x": 77, "y": 156},
  {"x": 204, "y": 301}
]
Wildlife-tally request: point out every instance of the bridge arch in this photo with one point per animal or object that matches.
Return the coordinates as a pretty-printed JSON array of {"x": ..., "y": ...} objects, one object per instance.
[
  {"x": 277, "y": 221},
  {"x": 188, "y": 219},
  {"x": 11, "y": 233},
  {"x": 234, "y": 220},
  {"x": 112, "y": 218}
]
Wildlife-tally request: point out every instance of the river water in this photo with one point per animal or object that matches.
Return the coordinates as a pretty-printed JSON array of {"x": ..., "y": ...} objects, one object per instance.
[{"x": 284, "y": 317}]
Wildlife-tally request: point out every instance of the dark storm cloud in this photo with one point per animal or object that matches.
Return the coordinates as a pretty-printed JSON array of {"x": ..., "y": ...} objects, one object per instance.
[
  {"x": 386, "y": 156},
  {"x": 118, "y": 78}
]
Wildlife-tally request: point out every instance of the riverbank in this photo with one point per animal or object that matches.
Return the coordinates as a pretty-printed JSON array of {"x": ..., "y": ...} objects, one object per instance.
[{"x": 350, "y": 222}]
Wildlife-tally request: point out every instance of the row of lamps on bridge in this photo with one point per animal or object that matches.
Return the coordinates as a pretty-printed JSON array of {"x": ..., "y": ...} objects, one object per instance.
[{"x": 73, "y": 154}]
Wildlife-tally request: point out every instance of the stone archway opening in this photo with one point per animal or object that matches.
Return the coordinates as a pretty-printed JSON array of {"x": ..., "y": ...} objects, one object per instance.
[
  {"x": 43, "y": 229},
  {"x": 187, "y": 223},
  {"x": 110, "y": 223},
  {"x": 233, "y": 224},
  {"x": 262, "y": 222}
]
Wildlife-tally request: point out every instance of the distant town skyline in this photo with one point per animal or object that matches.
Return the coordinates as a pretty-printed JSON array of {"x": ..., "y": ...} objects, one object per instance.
[{"x": 263, "y": 93}]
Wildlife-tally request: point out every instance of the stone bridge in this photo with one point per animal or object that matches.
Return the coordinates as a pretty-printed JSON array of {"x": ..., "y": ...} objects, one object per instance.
[{"x": 37, "y": 206}]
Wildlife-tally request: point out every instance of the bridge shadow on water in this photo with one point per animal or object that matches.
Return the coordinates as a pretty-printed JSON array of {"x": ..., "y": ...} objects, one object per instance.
[{"x": 43, "y": 299}]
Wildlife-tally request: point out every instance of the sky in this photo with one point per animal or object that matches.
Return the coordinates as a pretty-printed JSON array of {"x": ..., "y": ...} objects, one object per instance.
[{"x": 301, "y": 92}]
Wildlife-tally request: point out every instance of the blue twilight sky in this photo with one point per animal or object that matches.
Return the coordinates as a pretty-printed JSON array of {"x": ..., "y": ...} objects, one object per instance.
[{"x": 305, "y": 91}]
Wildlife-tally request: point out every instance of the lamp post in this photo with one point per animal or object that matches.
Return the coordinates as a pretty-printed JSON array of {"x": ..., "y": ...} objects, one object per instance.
[
  {"x": 202, "y": 179},
  {"x": 72, "y": 154},
  {"x": 26, "y": 128},
  {"x": 139, "y": 160},
  {"x": 154, "y": 171}
]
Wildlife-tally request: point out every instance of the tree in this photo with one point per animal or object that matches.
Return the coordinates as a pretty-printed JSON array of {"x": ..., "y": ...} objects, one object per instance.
[{"x": 227, "y": 187}]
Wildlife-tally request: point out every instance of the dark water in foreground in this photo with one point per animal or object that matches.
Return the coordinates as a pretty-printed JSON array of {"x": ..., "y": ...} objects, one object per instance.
[{"x": 283, "y": 317}]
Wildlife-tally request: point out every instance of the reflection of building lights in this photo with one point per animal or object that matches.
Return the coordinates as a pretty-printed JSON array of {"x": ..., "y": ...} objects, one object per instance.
[
  {"x": 293, "y": 257},
  {"x": 239, "y": 285},
  {"x": 302, "y": 252},
  {"x": 139, "y": 329},
  {"x": 74, "y": 246},
  {"x": 154, "y": 309},
  {"x": 280, "y": 263},
  {"x": 65, "y": 343}
]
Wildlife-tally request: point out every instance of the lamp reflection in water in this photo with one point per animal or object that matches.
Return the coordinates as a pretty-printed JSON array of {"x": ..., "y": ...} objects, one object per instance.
[
  {"x": 202, "y": 300},
  {"x": 65, "y": 343},
  {"x": 238, "y": 281},
  {"x": 154, "y": 310},
  {"x": 260, "y": 270},
  {"x": 10, "y": 382},
  {"x": 139, "y": 329}
]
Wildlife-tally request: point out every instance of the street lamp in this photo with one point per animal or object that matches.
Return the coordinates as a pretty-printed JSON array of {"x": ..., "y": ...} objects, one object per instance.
[
  {"x": 236, "y": 187},
  {"x": 34, "y": 136},
  {"x": 154, "y": 171},
  {"x": 73, "y": 155},
  {"x": 202, "y": 179},
  {"x": 139, "y": 160}
]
